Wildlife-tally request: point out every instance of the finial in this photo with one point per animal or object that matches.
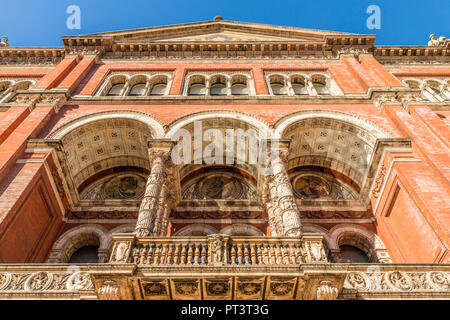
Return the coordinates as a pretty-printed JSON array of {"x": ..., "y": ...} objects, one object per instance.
[
  {"x": 218, "y": 18},
  {"x": 4, "y": 42}
]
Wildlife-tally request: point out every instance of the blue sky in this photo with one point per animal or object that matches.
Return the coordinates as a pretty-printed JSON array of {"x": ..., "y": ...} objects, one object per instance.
[{"x": 403, "y": 22}]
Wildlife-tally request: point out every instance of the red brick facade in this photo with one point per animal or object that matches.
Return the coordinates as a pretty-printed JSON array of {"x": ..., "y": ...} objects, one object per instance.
[{"x": 411, "y": 213}]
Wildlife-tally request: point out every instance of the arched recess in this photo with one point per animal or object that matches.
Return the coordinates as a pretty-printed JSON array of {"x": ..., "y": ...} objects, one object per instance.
[
  {"x": 242, "y": 230},
  {"x": 333, "y": 140},
  {"x": 78, "y": 237},
  {"x": 105, "y": 140},
  {"x": 242, "y": 150},
  {"x": 196, "y": 229},
  {"x": 250, "y": 120},
  {"x": 361, "y": 238}
]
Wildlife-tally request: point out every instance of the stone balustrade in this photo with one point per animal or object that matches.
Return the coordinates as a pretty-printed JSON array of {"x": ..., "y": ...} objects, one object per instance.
[{"x": 218, "y": 250}]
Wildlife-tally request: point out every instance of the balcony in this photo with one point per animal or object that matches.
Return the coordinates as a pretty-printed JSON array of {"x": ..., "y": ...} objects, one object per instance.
[{"x": 222, "y": 267}]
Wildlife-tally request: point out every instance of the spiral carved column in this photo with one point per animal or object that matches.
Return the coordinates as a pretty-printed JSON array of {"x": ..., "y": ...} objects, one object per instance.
[
  {"x": 156, "y": 190},
  {"x": 286, "y": 218}
]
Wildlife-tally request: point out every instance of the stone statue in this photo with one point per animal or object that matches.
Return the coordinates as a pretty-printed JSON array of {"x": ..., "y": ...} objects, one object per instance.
[
  {"x": 435, "y": 43},
  {"x": 4, "y": 42}
]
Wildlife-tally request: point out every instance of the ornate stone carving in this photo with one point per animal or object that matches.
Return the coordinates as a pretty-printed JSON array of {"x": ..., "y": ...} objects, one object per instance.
[
  {"x": 382, "y": 99},
  {"x": 79, "y": 281},
  {"x": 217, "y": 246},
  {"x": 128, "y": 186},
  {"x": 217, "y": 288},
  {"x": 4, "y": 42},
  {"x": 327, "y": 291},
  {"x": 436, "y": 42},
  {"x": 281, "y": 195},
  {"x": 397, "y": 281},
  {"x": 39, "y": 281},
  {"x": 186, "y": 288},
  {"x": 155, "y": 288},
  {"x": 109, "y": 291},
  {"x": 315, "y": 251},
  {"x": 219, "y": 187},
  {"x": 149, "y": 205},
  {"x": 121, "y": 252},
  {"x": 379, "y": 182},
  {"x": 5, "y": 278},
  {"x": 281, "y": 288}
]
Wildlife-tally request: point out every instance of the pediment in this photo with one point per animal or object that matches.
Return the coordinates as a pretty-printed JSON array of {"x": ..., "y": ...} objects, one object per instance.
[{"x": 215, "y": 31}]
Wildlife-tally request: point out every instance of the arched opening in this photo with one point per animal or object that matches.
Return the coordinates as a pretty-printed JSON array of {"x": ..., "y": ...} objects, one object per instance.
[
  {"x": 86, "y": 254},
  {"x": 320, "y": 85},
  {"x": 137, "y": 90},
  {"x": 277, "y": 84},
  {"x": 352, "y": 254},
  {"x": 299, "y": 85},
  {"x": 116, "y": 89},
  {"x": 218, "y": 86},
  {"x": 158, "y": 85},
  {"x": 239, "y": 86},
  {"x": 197, "y": 86}
]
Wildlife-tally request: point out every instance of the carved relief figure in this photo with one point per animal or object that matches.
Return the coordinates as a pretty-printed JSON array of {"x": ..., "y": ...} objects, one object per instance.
[
  {"x": 123, "y": 186},
  {"x": 312, "y": 187}
]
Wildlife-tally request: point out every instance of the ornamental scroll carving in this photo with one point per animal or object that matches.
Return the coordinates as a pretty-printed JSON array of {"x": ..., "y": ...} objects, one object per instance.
[
  {"x": 397, "y": 281},
  {"x": 45, "y": 281}
]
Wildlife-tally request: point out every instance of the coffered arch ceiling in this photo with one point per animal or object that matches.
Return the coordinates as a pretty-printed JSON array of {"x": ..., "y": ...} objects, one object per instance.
[
  {"x": 333, "y": 143},
  {"x": 102, "y": 141},
  {"x": 246, "y": 134}
]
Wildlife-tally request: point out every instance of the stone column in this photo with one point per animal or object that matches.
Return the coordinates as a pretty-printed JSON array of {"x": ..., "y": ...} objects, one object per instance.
[
  {"x": 283, "y": 200},
  {"x": 159, "y": 153}
]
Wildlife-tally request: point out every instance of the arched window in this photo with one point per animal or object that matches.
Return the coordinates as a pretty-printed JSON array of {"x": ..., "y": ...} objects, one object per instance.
[
  {"x": 239, "y": 86},
  {"x": 298, "y": 84},
  {"x": 218, "y": 89},
  {"x": 158, "y": 89},
  {"x": 137, "y": 90},
  {"x": 86, "y": 254},
  {"x": 353, "y": 254},
  {"x": 116, "y": 89},
  {"x": 239, "y": 89},
  {"x": 320, "y": 85},
  {"x": 277, "y": 85},
  {"x": 218, "y": 86}
]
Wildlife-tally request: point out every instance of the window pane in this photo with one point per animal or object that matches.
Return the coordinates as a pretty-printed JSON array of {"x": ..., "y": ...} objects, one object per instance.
[
  {"x": 278, "y": 89},
  {"x": 137, "y": 90},
  {"x": 239, "y": 89},
  {"x": 116, "y": 89},
  {"x": 218, "y": 89},
  {"x": 158, "y": 89},
  {"x": 321, "y": 88},
  {"x": 197, "y": 89},
  {"x": 299, "y": 88}
]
